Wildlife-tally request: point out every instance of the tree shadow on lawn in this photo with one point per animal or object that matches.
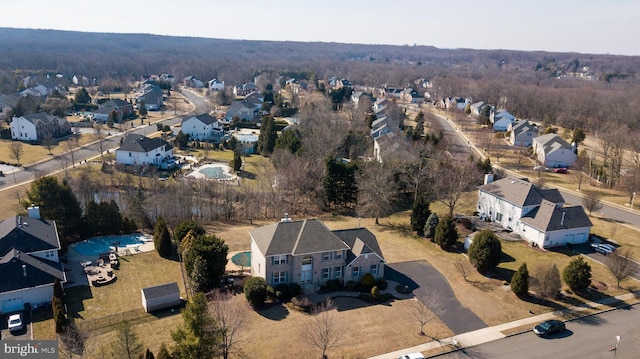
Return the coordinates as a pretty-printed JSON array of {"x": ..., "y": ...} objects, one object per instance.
[{"x": 274, "y": 311}]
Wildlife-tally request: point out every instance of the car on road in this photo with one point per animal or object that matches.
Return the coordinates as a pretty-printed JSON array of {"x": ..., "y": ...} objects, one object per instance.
[
  {"x": 549, "y": 327},
  {"x": 15, "y": 322},
  {"x": 561, "y": 170},
  {"x": 411, "y": 356}
]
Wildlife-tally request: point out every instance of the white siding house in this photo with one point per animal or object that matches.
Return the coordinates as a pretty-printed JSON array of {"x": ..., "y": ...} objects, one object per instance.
[
  {"x": 202, "y": 127},
  {"x": 553, "y": 151},
  {"x": 522, "y": 133},
  {"x": 141, "y": 150}
]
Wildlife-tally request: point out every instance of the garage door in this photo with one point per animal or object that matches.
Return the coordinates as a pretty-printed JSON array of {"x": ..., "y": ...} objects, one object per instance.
[{"x": 12, "y": 305}]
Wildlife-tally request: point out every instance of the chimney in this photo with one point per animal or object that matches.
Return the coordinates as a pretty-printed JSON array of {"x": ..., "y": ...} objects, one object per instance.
[
  {"x": 286, "y": 218},
  {"x": 488, "y": 178},
  {"x": 34, "y": 212},
  {"x": 24, "y": 270},
  {"x": 562, "y": 221}
]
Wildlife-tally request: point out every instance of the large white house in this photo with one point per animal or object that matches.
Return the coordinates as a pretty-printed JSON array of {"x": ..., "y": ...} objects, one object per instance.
[
  {"x": 536, "y": 214},
  {"x": 29, "y": 263},
  {"x": 522, "y": 133},
  {"x": 38, "y": 126},
  {"x": 141, "y": 150},
  {"x": 202, "y": 127},
  {"x": 553, "y": 151}
]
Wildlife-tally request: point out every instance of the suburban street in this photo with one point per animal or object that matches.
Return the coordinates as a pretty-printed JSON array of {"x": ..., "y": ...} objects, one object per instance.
[
  {"x": 588, "y": 337},
  {"x": 54, "y": 164}
]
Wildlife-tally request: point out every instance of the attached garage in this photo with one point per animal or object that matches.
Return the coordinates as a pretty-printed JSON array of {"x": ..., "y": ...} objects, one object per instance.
[
  {"x": 161, "y": 297},
  {"x": 12, "y": 304}
]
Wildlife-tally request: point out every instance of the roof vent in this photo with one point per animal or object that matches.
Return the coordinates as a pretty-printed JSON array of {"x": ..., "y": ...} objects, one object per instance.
[
  {"x": 286, "y": 218},
  {"x": 24, "y": 270}
]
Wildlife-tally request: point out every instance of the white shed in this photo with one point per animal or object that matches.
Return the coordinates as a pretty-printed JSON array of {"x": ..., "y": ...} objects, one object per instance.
[{"x": 161, "y": 297}]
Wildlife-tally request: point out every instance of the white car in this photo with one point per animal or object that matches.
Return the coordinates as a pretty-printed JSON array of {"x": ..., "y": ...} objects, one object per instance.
[
  {"x": 15, "y": 322},
  {"x": 411, "y": 356}
]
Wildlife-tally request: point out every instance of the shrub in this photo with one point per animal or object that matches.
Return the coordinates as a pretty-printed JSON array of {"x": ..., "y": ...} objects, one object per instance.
[
  {"x": 375, "y": 292},
  {"x": 446, "y": 233},
  {"x": 385, "y": 297},
  {"x": 577, "y": 275},
  {"x": 485, "y": 251},
  {"x": 382, "y": 283},
  {"x": 295, "y": 289},
  {"x": 368, "y": 280},
  {"x": 271, "y": 293},
  {"x": 430, "y": 227},
  {"x": 520, "y": 281},
  {"x": 255, "y": 289},
  {"x": 282, "y": 292},
  {"x": 351, "y": 285},
  {"x": 333, "y": 285}
]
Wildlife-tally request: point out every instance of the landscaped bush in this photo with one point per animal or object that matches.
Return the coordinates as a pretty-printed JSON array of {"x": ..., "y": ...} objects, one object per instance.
[
  {"x": 368, "y": 281},
  {"x": 382, "y": 283},
  {"x": 375, "y": 292},
  {"x": 255, "y": 289},
  {"x": 295, "y": 289},
  {"x": 271, "y": 293},
  {"x": 351, "y": 285},
  {"x": 303, "y": 302},
  {"x": 333, "y": 285},
  {"x": 282, "y": 292}
]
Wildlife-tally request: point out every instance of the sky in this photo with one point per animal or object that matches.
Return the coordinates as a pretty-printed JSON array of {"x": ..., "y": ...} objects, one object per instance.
[{"x": 585, "y": 26}]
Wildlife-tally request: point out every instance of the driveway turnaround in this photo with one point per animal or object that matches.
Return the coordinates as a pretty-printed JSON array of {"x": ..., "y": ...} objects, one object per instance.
[{"x": 423, "y": 278}]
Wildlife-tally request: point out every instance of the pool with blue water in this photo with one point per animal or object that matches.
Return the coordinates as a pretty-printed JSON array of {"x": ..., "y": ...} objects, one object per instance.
[{"x": 95, "y": 246}]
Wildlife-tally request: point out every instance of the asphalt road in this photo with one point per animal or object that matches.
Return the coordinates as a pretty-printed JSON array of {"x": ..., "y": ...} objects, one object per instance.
[{"x": 589, "y": 337}]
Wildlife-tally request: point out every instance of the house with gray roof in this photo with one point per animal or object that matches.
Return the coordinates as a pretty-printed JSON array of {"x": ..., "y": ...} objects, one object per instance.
[
  {"x": 29, "y": 263},
  {"x": 536, "y": 214},
  {"x": 501, "y": 120},
  {"x": 307, "y": 252},
  {"x": 140, "y": 150},
  {"x": 202, "y": 127},
  {"x": 553, "y": 151},
  {"x": 522, "y": 133},
  {"x": 38, "y": 127}
]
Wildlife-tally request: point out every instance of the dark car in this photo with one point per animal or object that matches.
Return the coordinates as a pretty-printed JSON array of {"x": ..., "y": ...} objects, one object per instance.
[
  {"x": 561, "y": 170},
  {"x": 549, "y": 327}
]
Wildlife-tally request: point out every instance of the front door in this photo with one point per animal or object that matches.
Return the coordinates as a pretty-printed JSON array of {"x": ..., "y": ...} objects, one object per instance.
[{"x": 306, "y": 270}]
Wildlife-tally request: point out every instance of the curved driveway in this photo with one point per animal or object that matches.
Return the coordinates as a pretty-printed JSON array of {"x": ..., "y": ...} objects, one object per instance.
[{"x": 423, "y": 278}]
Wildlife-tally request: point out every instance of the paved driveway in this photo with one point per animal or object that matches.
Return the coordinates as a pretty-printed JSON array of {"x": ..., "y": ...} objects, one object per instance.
[
  {"x": 24, "y": 334},
  {"x": 422, "y": 278}
]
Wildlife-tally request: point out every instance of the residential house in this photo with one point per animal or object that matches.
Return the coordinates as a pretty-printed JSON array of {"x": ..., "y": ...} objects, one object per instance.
[
  {"x": 381, "y": 104},
  {"x": 383, "y": 125},
  {"x": 203, "y": 127},
  {"x": 168, "y": 77},
  {"x": 411, "y": 96},
  {"x": 29, "y": 263},
  {"x": 501, "y": 120},
  {"x": 245, "y": 110},
  {"x": 245, "y": 89},
  {"x": 39, "y": 127},
  {"x": 192, "y": 81},
  {"x": 307, "y": 252},
  {"x": 122, "y": 108},
  {"x": 248, "y": 139},
  {"x": 456, "y": 103},
  {"x": 552, "y": 151},
  {"x": 216, "y": 85},
  {"x": 152, "y": 96},
  {"x": 476, "y": 108},
  {"x": 391, "y": 146},
  {"x": 140, "y": 150},
  {"x": 537, "y": 215},
  {"x": 522, "y": 133},
  {"x": 336, "y": 83},
  {"x": 6, "y": 103}
]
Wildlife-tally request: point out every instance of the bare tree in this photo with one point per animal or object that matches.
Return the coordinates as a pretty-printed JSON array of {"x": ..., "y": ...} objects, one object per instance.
[
  {"x": 452, "y": 180},
  {"x": 546, "y": 280},
  {"x": 47, "y": 140},
  {"x": 99, "y": 137},
  {"x": 377, "y": 189},
  {"x": 229, "y": 316},
  {"x": 323, "y": 330},
  {"x": 521, "y": 153},
  {"x": 463, "y": 267},
  {"x": 126, "y": 344},
  {"x": 620, "y": 264},
  {"x": 425, "y": 308},
  {"x": 72, "y": 340},
  {"x": 16, "y": 151},
  {"x": 577, "y": 171},
  {"x": 69, "y": 145},
  {"x": 591, "y": 201}
]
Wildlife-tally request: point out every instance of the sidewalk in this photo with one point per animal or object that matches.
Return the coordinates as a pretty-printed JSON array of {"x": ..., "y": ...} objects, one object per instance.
[{"x": 485, "y": 335}]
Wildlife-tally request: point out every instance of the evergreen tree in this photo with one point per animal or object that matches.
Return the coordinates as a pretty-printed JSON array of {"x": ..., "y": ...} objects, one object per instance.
[
  {"x": 255, "y": 289},
  {"x": 142, "y": 109},
  {"x": 419, "y": 215},
  {"x": 182, "y": 140},
  {"x": 430, "y": 226},
  {"x": 340, "y": 187},
  {"x": 485, "y": 251},
  {"x": 236, "y": 162},
  {"x": 213, "y": 252},
  {"x": 289, "y": 140},
  {"x": 58, "y": 292},
  {"x": 162, "y": 238},
  {"x": 520, "y": 281},
  {"x": 268, "y": 136},
  {"x": 57, "y": 202},
  {"x": 196, "y": 338},
  {"x": 82, "y": 97},
  {"x": 184, "y": 227},
  {"x": 577, "y": 275},
  {"x": 112, "y": 118},
  {"x": 446, "y": 233}
]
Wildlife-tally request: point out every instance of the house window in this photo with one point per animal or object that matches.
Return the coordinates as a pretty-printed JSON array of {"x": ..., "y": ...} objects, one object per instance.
[
  {"x": 337, "y": 272},
  {"x": 129, "y": 154},
  {"x": 279, "y": 277},
  {"x": 326, "y": 256},
  {"x": 280, "y": 259},
  {"x": 306, "y": 260},
  {"x": 498, "y": 217},
  {"x": 355, "y": 272},
  {"x": 373, "y": 269},
  {"x": 326, "y": 272},
  {"x": 338, "y": 255}
]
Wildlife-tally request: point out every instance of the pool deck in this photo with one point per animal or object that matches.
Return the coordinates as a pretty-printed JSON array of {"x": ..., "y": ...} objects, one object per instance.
[{"x": 226, "y": 169}]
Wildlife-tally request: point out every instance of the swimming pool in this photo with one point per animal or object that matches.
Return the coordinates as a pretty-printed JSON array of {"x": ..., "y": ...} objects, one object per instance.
[
  {"x": 214, "y": 172},
  {"x": 95, "y": 246},
  {"x": 242, "y": 259}
]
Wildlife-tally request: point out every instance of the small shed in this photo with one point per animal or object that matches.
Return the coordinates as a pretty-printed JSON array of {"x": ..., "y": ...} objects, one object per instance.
[{"x": 161, "y": 297}]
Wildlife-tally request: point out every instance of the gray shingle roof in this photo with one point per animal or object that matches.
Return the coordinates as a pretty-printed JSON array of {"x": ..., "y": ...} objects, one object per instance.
[
  {"x": 160, "y": 291},
  {"x": 33, "y": 235},
  {"x": 204, "y": 118},
  {"x": 520, "y": 192},
  {"x": 296, "y": 238},
  {"x": 552, "y": 142},
  {"x": 360, "y": 240},
  {"x": 38, "y": 271},
  {"x": 140, "y": 143},
  {"x": 39, "y": 117},
  {"x": 548, "y": 217}
]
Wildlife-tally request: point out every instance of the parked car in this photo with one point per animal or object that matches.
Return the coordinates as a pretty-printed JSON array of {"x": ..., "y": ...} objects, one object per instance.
[
  {"x": 604, "y": 248},
  {"x": 15, "y": 322},
  {"x": 540, "y": 168},
  {"x": 549, "y": 327},
  {"x": 411, "y": 356},
  {"x": 561, "y": 170}
]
